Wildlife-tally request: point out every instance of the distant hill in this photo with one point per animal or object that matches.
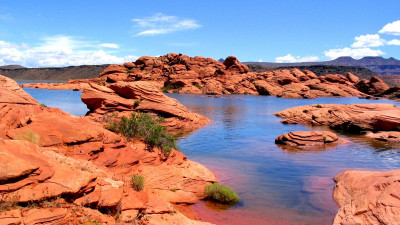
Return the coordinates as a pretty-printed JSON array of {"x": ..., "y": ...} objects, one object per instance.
[
  {"x": 54, "y": 73},
  {"x": 378, "y": 65},
  {"x": 12, "y": 67}
]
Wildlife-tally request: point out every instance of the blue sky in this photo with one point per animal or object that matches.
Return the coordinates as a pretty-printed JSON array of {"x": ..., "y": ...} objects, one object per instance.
[{"x": 61, "y": 33}]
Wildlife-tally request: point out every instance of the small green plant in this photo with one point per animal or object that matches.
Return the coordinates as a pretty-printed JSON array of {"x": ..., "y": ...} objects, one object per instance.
[
  {"x": 137, "y": 182},
  {"x": 177, "y": 90},
  {"x": 167, "y": 88},
  {"x": 43, "y": 105},
  {"x": 317, "y": 106},
  {"x": 143, "y": 126},
  {"x": 29, "y": 135},
  {"x": 129, "y": 71},
  {"x": 324, "y": 139},
  {"x": 136, "y": 103},
  {"x": 222, "y": 194},
  {"x": 198, "y": 86},
  {"x": 246, "y": 93},
  {"x": 174, "y": 189}
]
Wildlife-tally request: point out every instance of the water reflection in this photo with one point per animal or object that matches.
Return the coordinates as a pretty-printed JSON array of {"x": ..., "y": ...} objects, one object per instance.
[{"x": 276, "y": 186}]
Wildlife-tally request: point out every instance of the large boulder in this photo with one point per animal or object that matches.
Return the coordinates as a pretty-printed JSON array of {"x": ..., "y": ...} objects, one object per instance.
[
  {"x": 10, "y": 92},
  {"x": 307, "y": 138},
  {"x": 124, "y": 98}
]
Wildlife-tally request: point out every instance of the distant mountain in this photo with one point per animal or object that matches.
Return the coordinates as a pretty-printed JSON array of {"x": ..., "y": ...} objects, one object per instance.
[
  {"x": 11, "y": 67},
  {"x": 53, "y": 73},
  {"x": 378, "y": 65}
]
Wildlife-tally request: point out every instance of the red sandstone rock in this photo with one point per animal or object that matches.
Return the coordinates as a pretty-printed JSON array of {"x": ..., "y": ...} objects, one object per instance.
[
  {"x": 307, "y": 138},
  {"x": 101, "y": 100},
  {"x": 199, "y": 75},
  {"x": 10, "y": 92},
  {"x": 55, "y": 145},
  {"x": 367, "y": 197},
  {"x": 57, "y": 86},
  {"x": 356, "y": 118},
  {"x": 390, "y": 136}
]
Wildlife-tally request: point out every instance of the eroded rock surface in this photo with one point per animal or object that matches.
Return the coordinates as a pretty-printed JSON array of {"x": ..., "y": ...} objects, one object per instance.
[
  {"x": 123, "y": 98},
  {"x": 61, "y": 169},
  {"x": 353, "y": 118},
  {"x": 307, "y": 138},
  {"x": 198, "y": 75},
  {"x": 367, "y": 197}
]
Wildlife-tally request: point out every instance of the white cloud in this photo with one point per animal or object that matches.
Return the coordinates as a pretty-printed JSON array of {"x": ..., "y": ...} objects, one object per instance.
[
  {"x": 391, "y": 28},
  {"x": 368, "y": 40},
  {"x": 58, "y": 50},
  {"x": 356, "y": 53},
  {"x": 109, "y": 45},
  {"x": 260, "y": 60},
  {"x": 163, "y": 24},
  {"x": 394, "y": 42},
  {"x": 292, "y": 59}
]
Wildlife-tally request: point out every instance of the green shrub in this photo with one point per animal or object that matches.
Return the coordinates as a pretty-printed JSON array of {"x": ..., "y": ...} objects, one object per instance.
[
  {"x": 220, "y": 193},
  {"x": 317, "y": 106},
  {"x": 167, "y": 88},
  {"x": 246, "y": 93},
  {"x": 198, "y": 86},
  {"x": 136, "y": 103},
  {"x": 177, "y": 90},
  {"x": 43, "y": 105},
  {"x": 137, "y": 182},
  {"x": 397, "y": 128},
  {"x": 141, "y": 125}
]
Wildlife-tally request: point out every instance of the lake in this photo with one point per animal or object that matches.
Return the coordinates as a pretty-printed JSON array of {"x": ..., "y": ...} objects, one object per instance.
[{"x": 276, "y": 186}]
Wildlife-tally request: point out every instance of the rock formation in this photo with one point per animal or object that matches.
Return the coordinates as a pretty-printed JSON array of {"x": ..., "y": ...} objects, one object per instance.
[
  {"x": 353, "y": 118},
  {"x": 367, "y": 197},
  {"x": 307, "y": 139},
  {"x": 61, "y": 169},
  {"x": 388, "y": 136},
  {"x": 123, "y": 98},
  {"x": 198, "y": 75}
]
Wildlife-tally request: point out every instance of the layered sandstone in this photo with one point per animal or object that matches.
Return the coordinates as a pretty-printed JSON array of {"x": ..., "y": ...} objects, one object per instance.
[
  {"x": 353, "y": 118},
  {"x": 123, "y": 98},
  {"x": 367, "y": 197},
  {"x": 307, "y": 139},
  {"x": 198, "y": 75},
  {"x": 62, "y": 169}
]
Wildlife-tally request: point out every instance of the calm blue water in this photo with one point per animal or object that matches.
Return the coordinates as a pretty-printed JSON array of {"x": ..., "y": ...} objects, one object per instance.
[
  {"x": 276, "y": 186},
  {"x": 67, "y": 100}
]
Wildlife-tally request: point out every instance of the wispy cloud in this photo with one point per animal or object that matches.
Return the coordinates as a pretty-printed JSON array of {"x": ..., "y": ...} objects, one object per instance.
[
  {"x": 394, "y": 42},
  {"x": 391, "y": 28},
  {"x": 292, "y": 59},
  {"x": 356, "y": 53},
  {"x": 368, "y": 40},
  {"x": 163, "y": 24},
  {"x": 59, "y": 50},
  {"x": 109, "y": 45}
]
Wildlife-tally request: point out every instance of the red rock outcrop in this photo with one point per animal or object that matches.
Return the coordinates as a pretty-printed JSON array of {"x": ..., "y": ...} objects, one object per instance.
[
  {"x": 198, "y": 75},
  {"x": 355, "y": 118},
  {"x": 62, "y": 169},
  {"x": 389, "y": 136},
  {"x": 307, "y": 139},
  {"x": 10, "y": 92},
  {"x": 367, "y": 197},
  {"x": 124, "y": 98}
]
